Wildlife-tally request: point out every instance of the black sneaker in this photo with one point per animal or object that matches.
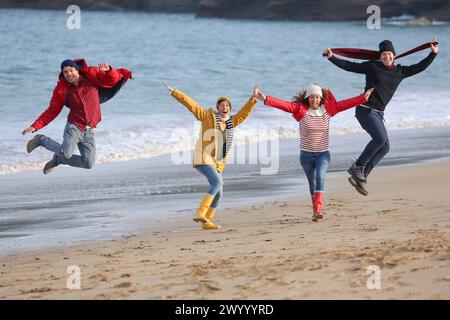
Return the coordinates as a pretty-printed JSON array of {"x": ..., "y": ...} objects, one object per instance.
[
  {"x": 34, "y": 142},
  {"x": 49, "y": 166},
  {"x": 359, "y": 186},
  {"x": 357, "y": 172}
]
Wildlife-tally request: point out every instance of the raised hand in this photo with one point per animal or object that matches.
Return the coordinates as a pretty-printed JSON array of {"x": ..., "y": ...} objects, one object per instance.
[
  {"x": 256, "y": 90},
  {"x": 104, "y": 67},
  {"x": 168, "y": 87},
  {"x": 327, "y": 53},
  {"x": 258, "y": 94},
  {"x": 433, "y": 47},
  {"x": 368, "y": 93},
  {"x": 28, "y": 130}
]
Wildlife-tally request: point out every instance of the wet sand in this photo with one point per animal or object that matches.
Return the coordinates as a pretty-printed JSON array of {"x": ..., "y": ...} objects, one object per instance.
[
  {"x": 119, "y": 198},
  {"x": 270, "y": 250}
]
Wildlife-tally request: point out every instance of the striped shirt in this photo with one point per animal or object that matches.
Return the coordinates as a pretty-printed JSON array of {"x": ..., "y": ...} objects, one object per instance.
[
  {"x": 314, "y": 130},
  {"x": 225, "y": 137}
]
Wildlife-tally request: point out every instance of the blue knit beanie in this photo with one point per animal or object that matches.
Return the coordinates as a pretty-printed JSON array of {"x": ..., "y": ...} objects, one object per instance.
[{"x": 69, "y": 63}]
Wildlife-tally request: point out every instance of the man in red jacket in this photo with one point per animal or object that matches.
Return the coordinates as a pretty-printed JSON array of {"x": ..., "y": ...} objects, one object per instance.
[{"x": 81, "y": 88}]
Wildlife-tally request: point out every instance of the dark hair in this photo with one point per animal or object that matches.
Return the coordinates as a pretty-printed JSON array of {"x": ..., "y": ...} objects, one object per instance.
[{"x": 301, "y": 97}]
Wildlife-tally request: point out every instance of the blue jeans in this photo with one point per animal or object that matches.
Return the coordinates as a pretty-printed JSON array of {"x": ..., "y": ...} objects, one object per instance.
[
  {"x": 315, "y": 165},
  {"x": 73, "y": 137},
  {"x": 373, "y": 122},
  {"x": 215, "y": 182}
]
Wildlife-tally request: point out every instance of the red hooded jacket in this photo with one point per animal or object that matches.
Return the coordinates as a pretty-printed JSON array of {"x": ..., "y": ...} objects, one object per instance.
[{"x": 86, "y": 109}]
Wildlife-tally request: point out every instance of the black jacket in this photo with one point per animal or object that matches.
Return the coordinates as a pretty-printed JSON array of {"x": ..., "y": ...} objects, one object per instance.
[{"x": 384, "y": 80}]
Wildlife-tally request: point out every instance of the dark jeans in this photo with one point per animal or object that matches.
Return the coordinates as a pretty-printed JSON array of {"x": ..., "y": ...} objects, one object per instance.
[{"x": 373, "y": 122}]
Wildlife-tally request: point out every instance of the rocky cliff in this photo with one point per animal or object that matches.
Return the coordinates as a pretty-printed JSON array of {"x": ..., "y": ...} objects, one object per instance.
[
  {"x": 305, "y": 10},
  {"x": 316, "y": 10},
  {"x": 111, "y": 5}
]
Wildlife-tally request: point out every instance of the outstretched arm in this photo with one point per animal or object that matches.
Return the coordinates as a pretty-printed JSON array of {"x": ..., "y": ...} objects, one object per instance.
[
  {"x": 286, "y": 106},
  {"x": 56, "y": 105},
  {"x": 333, "y": 107},
  {"x": 198, "y": 112},
  {"x": 290, "y": 107},
  {"x": 245, "y": 111},
  {"x": 344, "y": 64},
  {"x": 411, "y": 70}
]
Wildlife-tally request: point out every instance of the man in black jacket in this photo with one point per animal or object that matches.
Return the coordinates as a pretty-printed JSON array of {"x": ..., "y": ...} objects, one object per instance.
[{"x": 384, "y": 76}]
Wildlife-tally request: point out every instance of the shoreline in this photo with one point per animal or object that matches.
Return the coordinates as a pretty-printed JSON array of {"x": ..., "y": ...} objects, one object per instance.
[
  {"x": 116, "y": 199},
  {"x": 285, "y": 139},
  {"x": 270, "y": 250}
]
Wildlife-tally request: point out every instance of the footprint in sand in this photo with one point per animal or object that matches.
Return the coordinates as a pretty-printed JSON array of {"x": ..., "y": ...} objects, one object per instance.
[
  {"x": 387, "y": 211},
  {"x": 36, "y": 290},
  {"x": 99, "y": 277},
  {"x": 419, "y": 269},
  {"x": 174, "y": 264},
  {"x": 444, "y": 279},
  {"x": 242, "y": 295},
  {"x": 208, "y": 286},
  {"x": 368, "y": 228},
  {"x": 123, "y": 285},
  {"x": 198, "y": 271}
]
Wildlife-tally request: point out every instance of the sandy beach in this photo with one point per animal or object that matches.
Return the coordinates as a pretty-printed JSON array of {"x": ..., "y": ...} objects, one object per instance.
[
  {"x": 123, "y": 228},
  {"x": 271, "y": 250}
]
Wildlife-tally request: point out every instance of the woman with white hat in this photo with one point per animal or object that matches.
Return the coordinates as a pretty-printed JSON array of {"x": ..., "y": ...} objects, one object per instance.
[{"x": 313, "y": 108}]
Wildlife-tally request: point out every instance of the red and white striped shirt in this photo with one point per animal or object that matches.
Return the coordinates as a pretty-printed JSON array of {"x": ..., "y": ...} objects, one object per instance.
[{"x": 314, "y": 130}]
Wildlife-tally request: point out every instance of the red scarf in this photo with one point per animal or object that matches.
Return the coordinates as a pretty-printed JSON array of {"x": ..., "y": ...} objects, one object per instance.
[{"x": 364, "y": 54}]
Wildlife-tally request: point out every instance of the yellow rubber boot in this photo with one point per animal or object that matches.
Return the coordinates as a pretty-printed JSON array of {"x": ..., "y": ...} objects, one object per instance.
[
  {"x": 200, "y": 216},
  {"x": 210, "y": 215}
]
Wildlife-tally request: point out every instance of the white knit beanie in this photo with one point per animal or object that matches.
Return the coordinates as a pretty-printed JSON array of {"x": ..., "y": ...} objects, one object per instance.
[{"x": 314, "y": 89}]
